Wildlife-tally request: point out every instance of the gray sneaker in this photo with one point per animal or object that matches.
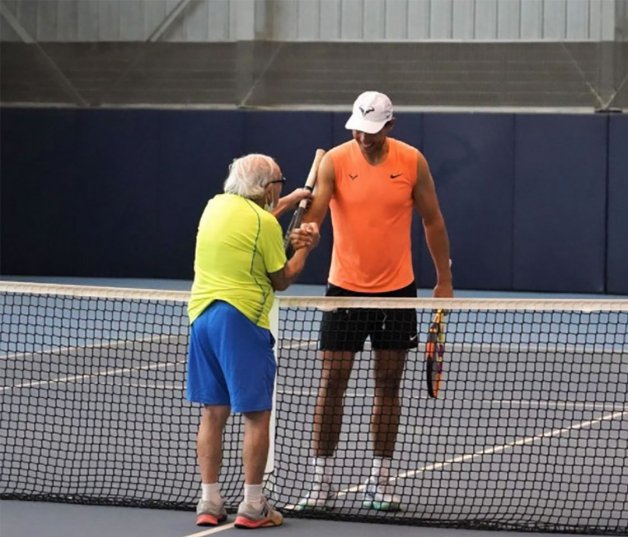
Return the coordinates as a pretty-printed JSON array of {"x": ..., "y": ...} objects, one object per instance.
[
  {"x": 210, "y": 514},
  {"x": 250, "y": 517}
]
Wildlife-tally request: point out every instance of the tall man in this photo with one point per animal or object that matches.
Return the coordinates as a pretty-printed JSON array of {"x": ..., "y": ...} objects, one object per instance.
[{"x": 371, "y": 184}]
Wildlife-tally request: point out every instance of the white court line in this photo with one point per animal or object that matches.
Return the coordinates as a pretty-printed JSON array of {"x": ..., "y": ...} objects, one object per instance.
[
  {"x": 481, "y": 453},
  {"x": 110, "y": 344},
  {"x": 562, "y": 405},
  {"x": 503, "y": 447},
  {"x": 172, "y": 386},
  {"x": 108, "y": 373},
  {"x": 299, "y": 344},
  {"x": 211, "y": 531}
]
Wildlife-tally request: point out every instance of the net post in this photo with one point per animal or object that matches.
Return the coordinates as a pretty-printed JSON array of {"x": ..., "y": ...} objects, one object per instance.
[{"x": 270, "y": 462}]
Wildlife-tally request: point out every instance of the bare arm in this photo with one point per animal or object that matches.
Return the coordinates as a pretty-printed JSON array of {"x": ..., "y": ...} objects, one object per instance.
[
  {"x": 305, "y": 239},
  {"x": 325, "y": 185},
  {"x": 426, "y": 203}
]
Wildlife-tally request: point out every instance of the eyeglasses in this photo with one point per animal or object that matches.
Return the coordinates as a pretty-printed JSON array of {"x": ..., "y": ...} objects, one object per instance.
[{"x": 282, "y": 181}]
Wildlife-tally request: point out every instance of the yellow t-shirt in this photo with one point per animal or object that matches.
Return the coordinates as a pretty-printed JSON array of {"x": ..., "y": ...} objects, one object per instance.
[
  {"x": 237, "y": 245},
  {"x": 371, "y": 211}
]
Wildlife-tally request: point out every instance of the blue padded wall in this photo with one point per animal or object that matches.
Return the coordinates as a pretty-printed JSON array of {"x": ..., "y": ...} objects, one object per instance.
[
  {"x": 618, "y": 205},
  {"x": 119, "y": 192},
  {"x": 113, "y": 193},
  {"x": 560, "y": 203},
  {"x": 196, "y": 148},
  {"x": 41, "y": 208},
  {"x": 471, "y": 159}
]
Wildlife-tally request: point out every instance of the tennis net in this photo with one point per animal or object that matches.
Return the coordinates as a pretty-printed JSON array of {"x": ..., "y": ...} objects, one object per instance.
[{"x": 529, "y": 431}]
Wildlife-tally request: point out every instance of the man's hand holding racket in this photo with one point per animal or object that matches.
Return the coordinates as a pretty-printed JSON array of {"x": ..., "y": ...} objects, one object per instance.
[
  {"x": 434, "y": 353},
  {"x": 292, "y": 200},
  {"x": 435, "y": 346}
]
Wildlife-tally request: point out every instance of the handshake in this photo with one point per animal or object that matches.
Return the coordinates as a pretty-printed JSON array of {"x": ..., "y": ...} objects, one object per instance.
[{"x": 307, "y": 235}]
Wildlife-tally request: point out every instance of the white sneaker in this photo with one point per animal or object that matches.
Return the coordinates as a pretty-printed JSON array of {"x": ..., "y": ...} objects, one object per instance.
[
  {"x": 321, "y": 496},
  {"x": 380, "y": 497}
]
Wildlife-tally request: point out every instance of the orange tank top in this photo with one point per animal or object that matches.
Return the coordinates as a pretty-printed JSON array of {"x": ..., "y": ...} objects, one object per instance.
[{"x": 371, "y": 211}]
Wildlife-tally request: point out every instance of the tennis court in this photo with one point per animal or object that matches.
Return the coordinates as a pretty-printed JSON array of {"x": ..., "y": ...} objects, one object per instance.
[
  {"x": 107, "y": 148},
  {"x": 530, "y": 430}
]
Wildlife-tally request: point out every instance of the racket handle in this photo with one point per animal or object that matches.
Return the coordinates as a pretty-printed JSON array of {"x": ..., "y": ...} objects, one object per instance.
[
  {"x": 297, "y": 217},
  {"x": 311, "y": 176}
]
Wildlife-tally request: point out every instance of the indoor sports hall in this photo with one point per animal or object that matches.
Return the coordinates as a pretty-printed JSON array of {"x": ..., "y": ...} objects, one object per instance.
[{"x": 118, "y": 122}]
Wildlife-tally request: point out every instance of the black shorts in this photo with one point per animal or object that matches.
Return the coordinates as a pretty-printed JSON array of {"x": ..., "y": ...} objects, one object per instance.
[{"x": 346, "y": 329}]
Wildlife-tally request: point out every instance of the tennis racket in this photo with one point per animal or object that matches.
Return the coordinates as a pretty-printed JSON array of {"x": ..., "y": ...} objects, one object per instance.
[
  {"x": 434, "y": 353},
  {"x": 297, "y": 217}
]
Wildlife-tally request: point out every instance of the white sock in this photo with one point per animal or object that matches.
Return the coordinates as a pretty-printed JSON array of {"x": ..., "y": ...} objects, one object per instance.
[
  {"x": 211, "y": 492},
  {"x": 253, "y": 494},
  {"x": 380, "y": 471},
  {"x": 322, "y": 469}
]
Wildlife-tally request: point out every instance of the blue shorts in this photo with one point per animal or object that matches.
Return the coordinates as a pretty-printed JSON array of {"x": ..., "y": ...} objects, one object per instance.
[{"x": 230, "y": 361}]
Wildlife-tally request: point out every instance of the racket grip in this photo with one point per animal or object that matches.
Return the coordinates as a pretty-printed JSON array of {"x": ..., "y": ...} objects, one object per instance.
[{"x": 297, "y": 218}]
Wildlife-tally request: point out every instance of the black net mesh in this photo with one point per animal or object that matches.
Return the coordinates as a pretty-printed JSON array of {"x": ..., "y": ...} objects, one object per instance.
[{"x": 529, "y": 431}]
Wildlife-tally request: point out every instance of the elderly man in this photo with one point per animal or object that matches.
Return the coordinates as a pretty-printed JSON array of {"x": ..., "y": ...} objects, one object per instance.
[{"x": 239, "y": 263}]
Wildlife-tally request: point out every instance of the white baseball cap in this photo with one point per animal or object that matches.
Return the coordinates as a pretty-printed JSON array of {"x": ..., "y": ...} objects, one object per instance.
[{"x": 371, "y": 111}]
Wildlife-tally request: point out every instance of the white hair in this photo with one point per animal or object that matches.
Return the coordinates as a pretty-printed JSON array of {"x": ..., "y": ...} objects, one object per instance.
[{"x": 249, "y": 175}]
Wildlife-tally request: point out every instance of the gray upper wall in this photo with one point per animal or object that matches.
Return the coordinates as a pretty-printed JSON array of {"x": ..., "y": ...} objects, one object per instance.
[{"x": 313, "y": 20}]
